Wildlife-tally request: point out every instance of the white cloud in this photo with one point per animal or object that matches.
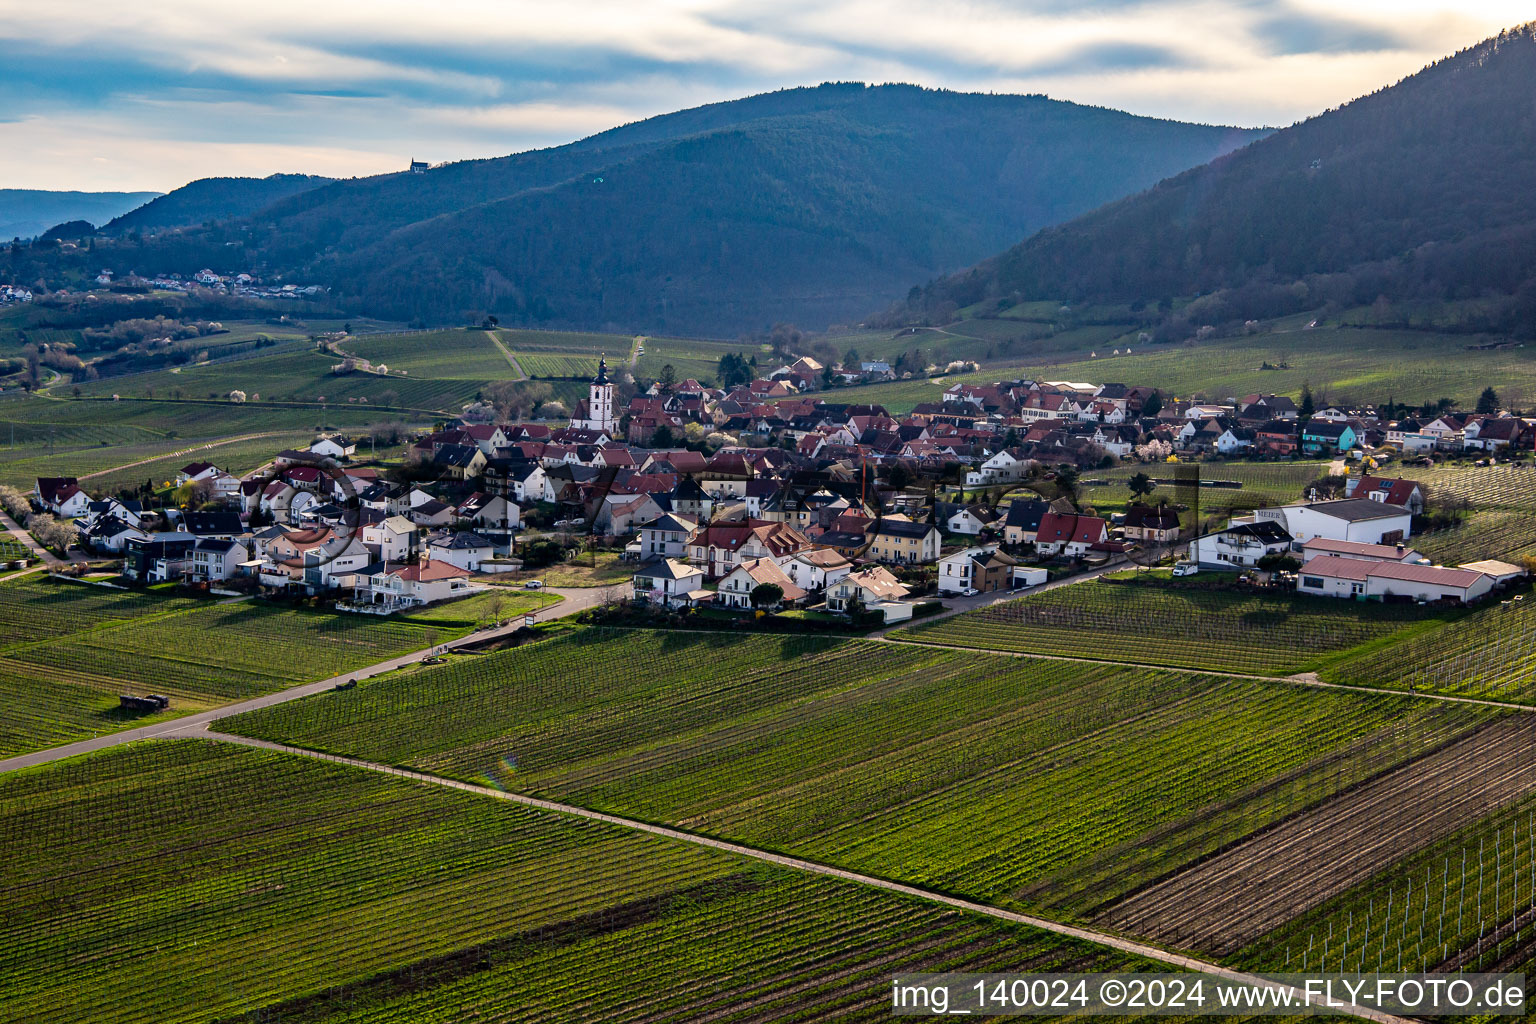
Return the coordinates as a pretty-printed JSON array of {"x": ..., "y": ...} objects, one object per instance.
[{"x": 357, "y": 86}]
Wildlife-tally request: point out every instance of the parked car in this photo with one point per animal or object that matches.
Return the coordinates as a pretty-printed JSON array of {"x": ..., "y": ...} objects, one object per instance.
[
  {"x": 1185, "y": 568},
  {"x": 534, "y": 585}
]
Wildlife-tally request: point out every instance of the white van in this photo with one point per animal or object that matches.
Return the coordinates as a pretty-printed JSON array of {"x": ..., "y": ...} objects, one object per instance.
[{"x": 1185, "y": 568}]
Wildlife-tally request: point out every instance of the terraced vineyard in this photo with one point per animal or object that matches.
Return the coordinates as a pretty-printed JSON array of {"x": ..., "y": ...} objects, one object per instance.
[
  {"x": 1490, "y": 653},
  {"x": 1187, "y": 627},
  {"x": 1047, "y": 785},
  {"x": 194, "y": 881},
  {"x": 468, "y": 354},
  {"x": 67, "y": 650}
]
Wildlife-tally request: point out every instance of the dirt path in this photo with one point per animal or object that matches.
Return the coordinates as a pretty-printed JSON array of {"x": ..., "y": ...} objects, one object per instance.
[
  {"x": 511, "y": 359},
  {"x": 1088, "y": 935},
  {"x": 1281, "y": 873}
]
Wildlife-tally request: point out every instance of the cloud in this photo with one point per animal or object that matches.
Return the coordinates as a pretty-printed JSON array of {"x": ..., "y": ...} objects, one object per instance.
[{"x": 145, "y": 95}]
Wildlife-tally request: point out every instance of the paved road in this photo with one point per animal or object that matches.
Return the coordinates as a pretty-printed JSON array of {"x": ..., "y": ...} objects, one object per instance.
[
  {"x": 1089, "y": 935},
  {"x": 575, "y": 600},
  {"x": 38, "y": 551}
]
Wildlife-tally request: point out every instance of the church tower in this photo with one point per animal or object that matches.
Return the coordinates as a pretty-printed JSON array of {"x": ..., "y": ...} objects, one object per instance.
[{"x": 599, "y": 412}]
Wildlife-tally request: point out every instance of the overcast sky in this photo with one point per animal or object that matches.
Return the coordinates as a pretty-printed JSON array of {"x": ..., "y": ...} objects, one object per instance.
[{"x": 152, "y": 93}]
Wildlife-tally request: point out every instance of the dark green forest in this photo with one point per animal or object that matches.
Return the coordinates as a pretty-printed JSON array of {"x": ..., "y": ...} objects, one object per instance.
[
  {"x": 813, "y": 205},
  {"x": 1420, "y": 192},
  {"x": 211, "y": 199}
]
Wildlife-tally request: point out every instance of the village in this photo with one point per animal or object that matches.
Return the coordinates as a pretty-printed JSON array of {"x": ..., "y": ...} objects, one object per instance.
[{"x": 816, "y": 510}]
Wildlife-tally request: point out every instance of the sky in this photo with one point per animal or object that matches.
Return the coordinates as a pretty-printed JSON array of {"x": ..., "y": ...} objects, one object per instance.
[{"x": 150, "y": 94}]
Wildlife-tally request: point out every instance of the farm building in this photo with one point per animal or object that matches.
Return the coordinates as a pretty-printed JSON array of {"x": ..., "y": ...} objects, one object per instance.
[{"x": 1336, "y": 576}]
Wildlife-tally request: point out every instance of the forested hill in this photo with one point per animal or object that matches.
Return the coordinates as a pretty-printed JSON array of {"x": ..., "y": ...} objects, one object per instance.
[
  {"x": 811, "y": 205},
  {"x": 209, "y": 199},
  {"x": 1421, "y": 191},
  {"x": 28, "y": 212}
]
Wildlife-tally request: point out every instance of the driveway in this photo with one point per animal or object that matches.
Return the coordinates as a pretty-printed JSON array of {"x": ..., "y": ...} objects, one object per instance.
[{"x": 22, "y": 536}]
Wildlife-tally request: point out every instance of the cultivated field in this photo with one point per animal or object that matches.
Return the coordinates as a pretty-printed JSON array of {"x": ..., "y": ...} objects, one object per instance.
[
  {"x": 1034, "y": 784},
  {"x": 1230, "y": 900},
  {"x": 1502, "y": 521},
  {"x": 1186, "y": 627},
  {"x": 103, "y": 470},
  {"x": 1491, "y": 653},
  {"x": 67, "y": 650},
  {"x": 193, "y": 881},
  {"x": 453, "y": 354}
]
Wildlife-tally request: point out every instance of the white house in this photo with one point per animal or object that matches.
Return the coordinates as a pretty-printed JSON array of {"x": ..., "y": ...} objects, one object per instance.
[
  {"x": 1005, "y": 467},
  {"x": 972, "y": 519},
  {"x": 335, "y": 447},
  {"x": 392, "y": 539},
  {"x": 817, "y": 568},
  {"x": 737, "y": 587},
  {"x": 872, "y": 588},
  {"x": 666, "y": 536},
  {"x": 1358, "y": 519},
  {"x": 214, "y": 560},
  {"x": 1241, "y": 545},
  {"x": 666, "y": 582},
  {"x": 464, "y": 549},
  {"x": 396, "y": 587},
  {"x": 982, "y": 569},
  {"x": 62, "y": 496}
]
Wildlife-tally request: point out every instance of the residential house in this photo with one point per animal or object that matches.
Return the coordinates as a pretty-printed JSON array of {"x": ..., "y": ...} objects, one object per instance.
[
  {"x": 1069, "y": 534},
  {"x": 1405, "y": 493},
  {"x": 1359, "y": 519},
  {"x": 737, "y": 586},
  {"x": 336, "y": 446},
  {"x": 870, "y": 589},
  {"x": 719, "y": 547},
  {"x": 388, "y": 587},
  {"x": 214, "y": 559},
  {"x": 391, "y": 539},
  {"x": 1158, "y": 525},
  {"x": 666, "y": 582},
  {"x": 817, "y": 568},
  {"x": 463, "y": 548},
  {"x": 1326, "y": 436},
  {"x": 1023, "y": 521},
  {"x": 666, "y": 536},
  {"x": 897, "y": 539},
  {"x": 1493, "y": 433},
  {"x": 973, "y": 519},
  {"x": 62, "y": 496},
  {"x": 1240, "y": 545},
  {"x": 983, "y": 569}
]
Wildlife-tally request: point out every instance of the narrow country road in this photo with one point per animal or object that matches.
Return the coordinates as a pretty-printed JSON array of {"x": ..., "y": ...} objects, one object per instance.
[
  {"x": 184, "y": 451},
  {"x": 517, "y": 367},
  {"x": 1089, "y": 935},
  {"x": 575, "y": 599},
  {"x": 23, "y": 537}
]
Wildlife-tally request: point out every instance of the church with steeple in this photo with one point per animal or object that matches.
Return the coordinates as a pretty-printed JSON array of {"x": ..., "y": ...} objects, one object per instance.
[{"x": 596, "y": 412}]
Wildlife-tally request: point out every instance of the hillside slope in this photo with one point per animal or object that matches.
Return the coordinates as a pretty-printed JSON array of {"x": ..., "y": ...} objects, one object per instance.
[
  {"x": 27, "y": 212},
  {"x": 210, "y": 199},
  {"x": 809, "y": 204},
  {"x": 1417, "y": 192}
]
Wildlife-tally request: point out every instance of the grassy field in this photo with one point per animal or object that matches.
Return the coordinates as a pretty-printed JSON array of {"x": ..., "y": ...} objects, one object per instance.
[
  {"x": 303, "y": 376},
  {"x": 1185, "y": 627},
  {"x": 697, "y": 359},
  {"x": 1263, "y": 484},
  {"x": 1340, "y": 364},
  {"x": 67, "y": 650},
  {"x": 1025, "y": 783},
  {"x": 191, "y": 881}
]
